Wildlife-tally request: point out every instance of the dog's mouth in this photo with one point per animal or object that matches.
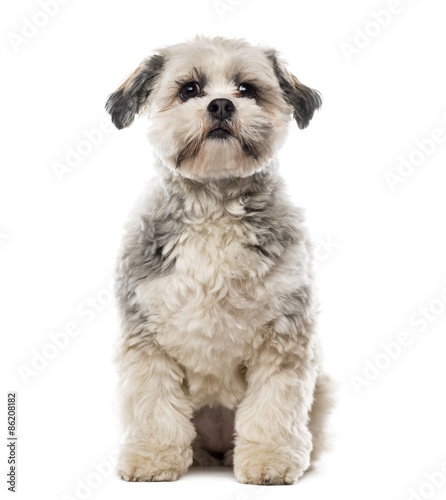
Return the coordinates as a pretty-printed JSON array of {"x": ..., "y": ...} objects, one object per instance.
[{"x": 219, "y": 133}]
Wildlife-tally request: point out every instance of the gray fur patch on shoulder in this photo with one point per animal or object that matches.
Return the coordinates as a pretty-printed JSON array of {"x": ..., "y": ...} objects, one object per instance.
[{"x": 144, "y": 256}]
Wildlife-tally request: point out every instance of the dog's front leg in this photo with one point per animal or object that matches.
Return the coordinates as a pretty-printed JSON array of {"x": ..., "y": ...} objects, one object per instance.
[
  {"x": 156, "y": 415},
  {"x": 273, "y": 443}
]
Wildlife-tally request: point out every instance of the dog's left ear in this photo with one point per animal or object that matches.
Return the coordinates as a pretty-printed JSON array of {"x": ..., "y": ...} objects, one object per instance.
[
  {"x": 304, "y": 101},
  {"x": 132, "y": 95}
]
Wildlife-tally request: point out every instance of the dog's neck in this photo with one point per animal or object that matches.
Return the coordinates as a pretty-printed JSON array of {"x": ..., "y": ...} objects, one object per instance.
[
  {"x": 261, "y": 182},
  {"x": 211, "y": 199}
]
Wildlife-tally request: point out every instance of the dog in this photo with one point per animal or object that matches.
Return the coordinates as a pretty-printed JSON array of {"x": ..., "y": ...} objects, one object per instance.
[{"x": 218, "y": 358}]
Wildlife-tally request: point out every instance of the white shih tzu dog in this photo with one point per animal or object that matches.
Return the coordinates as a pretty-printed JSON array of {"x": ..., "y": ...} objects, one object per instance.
[{"x": 218, "y": 358}]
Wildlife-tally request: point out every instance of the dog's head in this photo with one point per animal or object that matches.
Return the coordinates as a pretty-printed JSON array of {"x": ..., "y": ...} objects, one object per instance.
[{"x": 219, "y": 108}]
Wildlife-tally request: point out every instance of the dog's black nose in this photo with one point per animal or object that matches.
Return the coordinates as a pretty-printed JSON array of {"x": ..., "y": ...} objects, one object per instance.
[{"x": 221, "y": 108}]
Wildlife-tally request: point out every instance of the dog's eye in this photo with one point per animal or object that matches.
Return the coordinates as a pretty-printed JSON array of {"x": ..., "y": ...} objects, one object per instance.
[
  {"x": 190, "y": 90},
  {"x": 247, "y": 90}
]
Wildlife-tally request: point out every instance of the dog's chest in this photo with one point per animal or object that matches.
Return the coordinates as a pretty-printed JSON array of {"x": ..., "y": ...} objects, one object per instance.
[{"x": 206, "y": 310}]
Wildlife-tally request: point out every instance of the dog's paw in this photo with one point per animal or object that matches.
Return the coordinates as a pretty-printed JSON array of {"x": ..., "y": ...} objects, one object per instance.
[
  {"x": 203, "y": 458},
  {"x": 260, "y": 464},
  {"x": 162, "y": 464},
  {"x": 228, "y": 460}
]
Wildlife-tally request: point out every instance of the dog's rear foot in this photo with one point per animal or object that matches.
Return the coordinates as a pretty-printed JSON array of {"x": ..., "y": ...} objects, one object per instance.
[{"x": 203, "y": 458}]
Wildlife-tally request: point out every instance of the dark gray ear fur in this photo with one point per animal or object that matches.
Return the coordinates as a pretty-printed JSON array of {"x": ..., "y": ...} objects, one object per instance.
[
  {"x": 303, "y": 100},
  {"x": 129, "y": 98}
]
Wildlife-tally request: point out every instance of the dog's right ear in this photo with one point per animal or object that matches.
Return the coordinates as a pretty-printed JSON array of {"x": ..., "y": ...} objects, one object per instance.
[{"x": 132, "y": 95}]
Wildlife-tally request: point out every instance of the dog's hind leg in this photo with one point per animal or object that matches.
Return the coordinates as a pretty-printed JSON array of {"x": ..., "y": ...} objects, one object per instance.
[{"x": 323, "y": 404}]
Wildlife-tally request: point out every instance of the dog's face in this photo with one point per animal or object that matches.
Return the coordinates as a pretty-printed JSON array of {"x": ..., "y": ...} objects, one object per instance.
[{"x": 219, "y": 108}]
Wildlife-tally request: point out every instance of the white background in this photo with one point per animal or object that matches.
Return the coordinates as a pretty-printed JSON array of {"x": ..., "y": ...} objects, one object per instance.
[{"x": 386, "y": 259}]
